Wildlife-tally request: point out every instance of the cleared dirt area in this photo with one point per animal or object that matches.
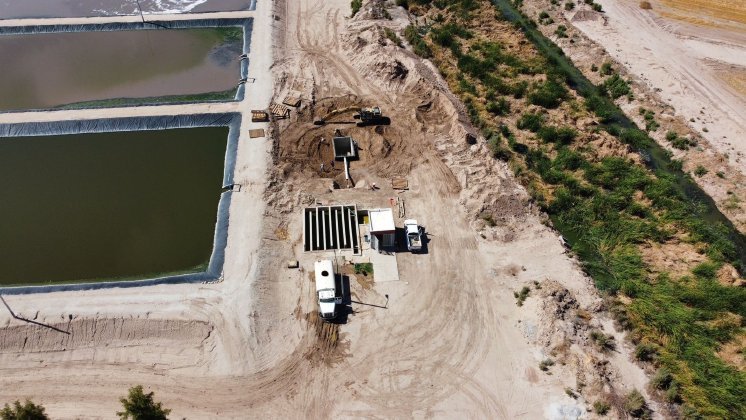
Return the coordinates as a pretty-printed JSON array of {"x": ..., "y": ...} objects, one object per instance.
[{"x": 447, "y": 340}]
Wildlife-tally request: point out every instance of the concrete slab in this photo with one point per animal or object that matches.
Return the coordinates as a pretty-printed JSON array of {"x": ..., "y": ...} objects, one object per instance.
[{"x": 385, "y": 267}]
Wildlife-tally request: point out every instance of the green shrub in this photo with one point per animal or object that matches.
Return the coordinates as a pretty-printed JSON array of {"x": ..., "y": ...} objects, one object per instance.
[
  {"x": 606, "y": 68},
  {"x": 419, "y": 45},
  {"x": 563, "y": 135},
  {"x": 356, "y": 5},
  {"x": 530, "y": 121},
  {"x": 499, "y": 107},
  {"x": 546, "y": 364},
  {"x": 635, "y": 405},
  {"x": 391, "y": 35},
  {"x": 569, "y": 6},
  {"x": 616, "y": 86},
  {"x": 548, "y": 94},
  {"x": 364, "y": 268},
  {"x": 700, "y": 171},
  {"x": 26, "y": 411},
  {"x": 646, "y": 352},
  {"x": 603, "y": 342},
  {"x": 662, "y": 379},
  {"x": 597, "y": 7},
  {"x": 522, "y": 295},
  {"x": 561, "y": 31},
  {"x": 601, "y": 407}
]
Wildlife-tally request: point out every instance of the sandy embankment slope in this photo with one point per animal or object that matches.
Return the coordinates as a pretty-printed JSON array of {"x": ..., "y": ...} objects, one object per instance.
[
  {"x": 681, "y": 62},
  {"x": 451, "y": 341}
]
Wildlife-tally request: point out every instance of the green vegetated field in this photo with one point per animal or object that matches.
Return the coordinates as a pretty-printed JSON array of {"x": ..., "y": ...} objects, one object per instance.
[{"x": 617, "y": 196}]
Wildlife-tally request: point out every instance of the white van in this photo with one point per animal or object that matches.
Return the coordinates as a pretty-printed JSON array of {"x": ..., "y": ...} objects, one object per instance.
[{"x": 326, "y": 289}]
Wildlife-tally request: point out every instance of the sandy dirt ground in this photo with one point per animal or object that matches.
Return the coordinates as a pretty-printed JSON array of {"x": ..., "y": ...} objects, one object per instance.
[
  {"x": 447, "y": 340},
  {"x": 684, "y": 63}
]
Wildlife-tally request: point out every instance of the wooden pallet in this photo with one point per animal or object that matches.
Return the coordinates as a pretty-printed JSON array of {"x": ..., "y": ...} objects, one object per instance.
[
  {"x": 293, "y": 101},
  {"x": 256, "y": 133},
  {"x": 400, "y": 183},
  {"x": 279, "y": 111}
]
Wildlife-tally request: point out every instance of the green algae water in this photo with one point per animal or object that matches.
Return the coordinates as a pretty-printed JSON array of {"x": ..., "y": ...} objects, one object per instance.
[
  {"x": 48, "y": 70},
  {"x": 104, "y": 206}
]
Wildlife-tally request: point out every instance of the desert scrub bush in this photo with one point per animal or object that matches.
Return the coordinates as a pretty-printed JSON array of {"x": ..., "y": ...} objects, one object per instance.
[
  {"x": 364, "y": 268},
  {"x": 645, "y": 5},
  {"x": 530, "y": 121},
  {"x": 561, "y": 31},
  {"x": 356, "y": 5},
  {"x": 606, "y": 68},
  {"x": 419, "y": 46},
  {"x": 615, "y": 86},
  {"x": 664, "y": 381},
  {"x": 569, "y": 6},
  {"x": 562, "y": 135},
  {"x": 392, "y": 36},
  {"x": 601, "y": 407},
  {"x": 603, "y": 342},
  {"x": 597, "y": 7},
  {"x": 548, "y": 94},
  {"x": 646, "y": 352},
  {"x": 649, "y": 116},
  {"x": 700, "y": 171},
  {"x": 546, "y": 364},
  {"x": 446, "y": 35},
  {"x": 522, "y": 295},
  {"x": 499, "y": 107},
  {"x": 636, "y": 406}
]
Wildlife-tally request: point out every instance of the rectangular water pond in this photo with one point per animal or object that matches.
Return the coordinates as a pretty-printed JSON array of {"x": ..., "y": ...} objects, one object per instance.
[
  {"x": 10, "y": 9},
  {"x": 113, "y": 68},
  {"x": 102, "y": 206}
]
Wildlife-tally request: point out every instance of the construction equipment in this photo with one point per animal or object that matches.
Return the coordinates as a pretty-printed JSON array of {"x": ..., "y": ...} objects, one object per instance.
[{"x": 370, "y": 116}]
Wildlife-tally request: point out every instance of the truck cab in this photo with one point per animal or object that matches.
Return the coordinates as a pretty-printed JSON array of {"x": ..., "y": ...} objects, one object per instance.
[
  {"x": 326, "y": 289},
  {"x": 414, "y": 235}
]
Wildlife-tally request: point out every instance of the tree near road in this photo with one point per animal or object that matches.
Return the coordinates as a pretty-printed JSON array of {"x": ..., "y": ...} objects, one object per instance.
[
  {"x": 140, "y": 406},
  {"x": 25, "y": 411}
]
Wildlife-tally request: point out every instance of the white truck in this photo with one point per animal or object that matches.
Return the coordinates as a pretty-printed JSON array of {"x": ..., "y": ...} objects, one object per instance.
[
  {"x": 326, "y": 289},
  {"x": 414, "y": 235}
]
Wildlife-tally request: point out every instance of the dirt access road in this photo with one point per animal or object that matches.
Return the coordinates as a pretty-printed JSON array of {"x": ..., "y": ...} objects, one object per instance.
[{"x": 448, "y": 342}]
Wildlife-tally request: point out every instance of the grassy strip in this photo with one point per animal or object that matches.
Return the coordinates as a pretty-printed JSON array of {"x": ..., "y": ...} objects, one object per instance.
[
  {"x": 226, "y": 95},
  {"x": 608, "y": 207}
]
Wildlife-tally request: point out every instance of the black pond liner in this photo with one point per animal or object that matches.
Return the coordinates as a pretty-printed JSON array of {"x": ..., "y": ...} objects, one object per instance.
[
  {"x": 217, "y": 257},
  {"x": 247, "y": 24}
]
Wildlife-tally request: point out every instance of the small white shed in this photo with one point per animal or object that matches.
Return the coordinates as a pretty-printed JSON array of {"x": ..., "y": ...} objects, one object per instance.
[{"x": 382, "y": 228}]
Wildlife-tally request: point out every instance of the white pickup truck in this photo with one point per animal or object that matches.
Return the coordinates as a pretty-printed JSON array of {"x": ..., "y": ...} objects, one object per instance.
[
  {"x": 414, "y": 235},
  {"x": 326, "y": 289}
]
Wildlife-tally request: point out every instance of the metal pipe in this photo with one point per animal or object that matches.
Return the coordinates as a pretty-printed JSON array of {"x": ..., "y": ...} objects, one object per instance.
[{"x": 347, "y": 169}]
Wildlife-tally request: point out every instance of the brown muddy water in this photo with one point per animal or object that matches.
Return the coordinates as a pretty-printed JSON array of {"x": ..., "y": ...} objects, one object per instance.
[
  {"x": 108, "y": 205},
  {"x": 49, "y": 70},
  {"x": 12, "y": 9}
]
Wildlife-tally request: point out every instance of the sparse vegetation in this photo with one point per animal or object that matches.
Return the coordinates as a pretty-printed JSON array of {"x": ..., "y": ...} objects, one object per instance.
[
  {"x": 603, "y": 341},
  {"x": 601, "y": 407},
  {"x": 26, "y": 411},
  {"x": 364, "y": 268},
  {"x": 646, "y": 352},
  {"x": 392, "y": 36},
  {"x": 700, "y": 171},
  {"x": 636, "y": 406},
  {"x": 645, "y": 5},
  {"x": 546, "y": 364},
  {"x": 356, "y": 5},
  {"x": 140, "y": 406},
  {"x": 569, "y": 6},
  {"x": 615, "y": 86},
  {"x": 522, "y": 295}
]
